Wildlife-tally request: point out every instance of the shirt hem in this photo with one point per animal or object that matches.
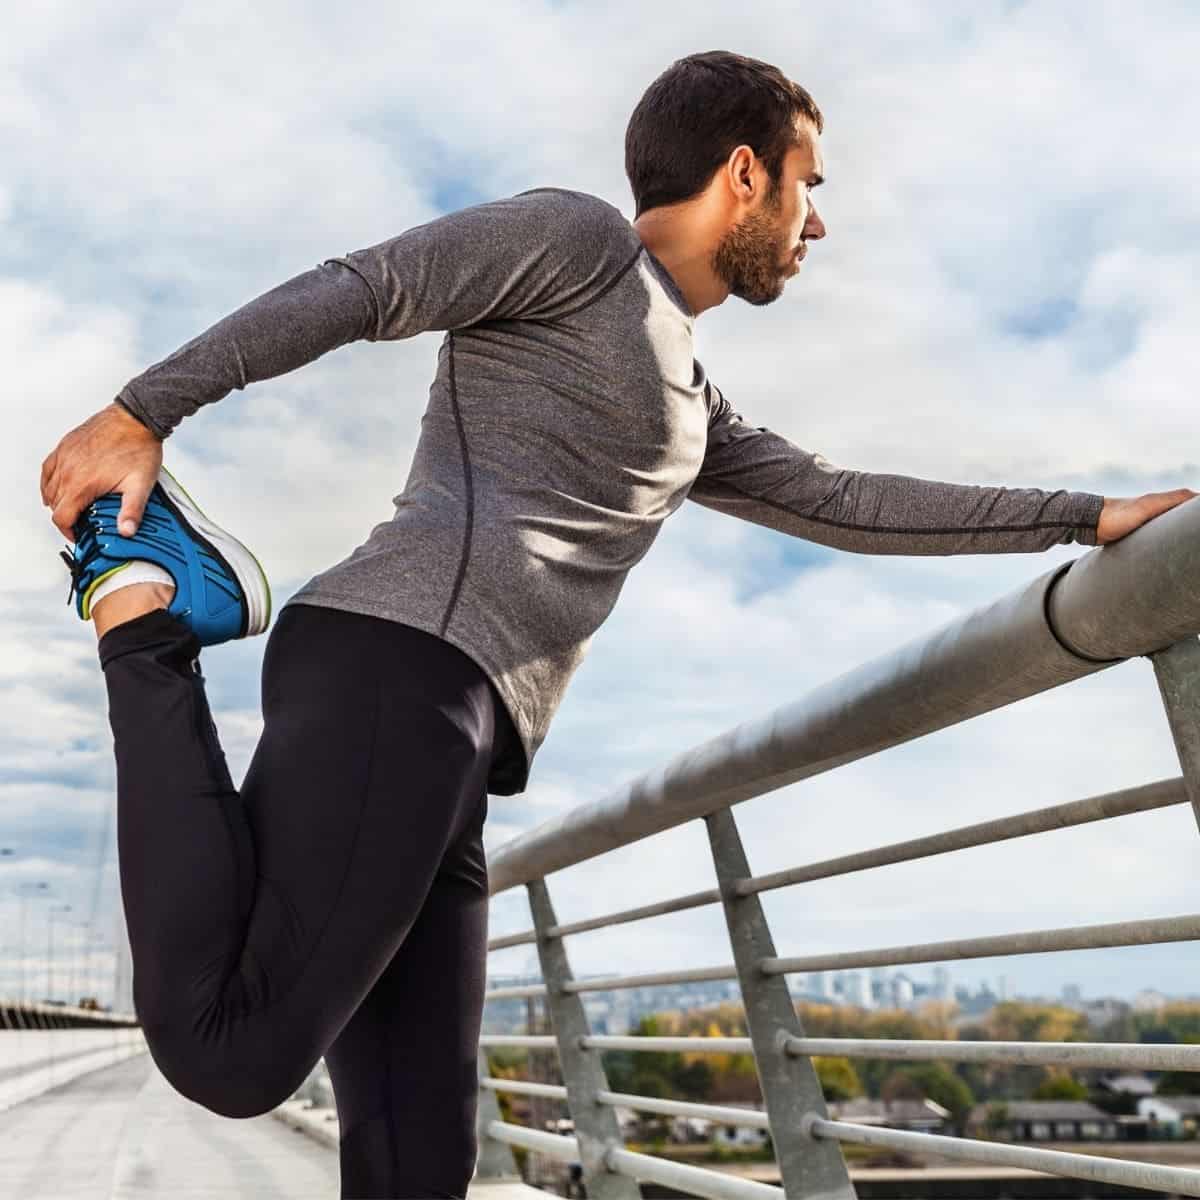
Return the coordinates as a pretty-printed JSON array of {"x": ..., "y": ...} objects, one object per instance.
[{"x": 357, "y": 604}]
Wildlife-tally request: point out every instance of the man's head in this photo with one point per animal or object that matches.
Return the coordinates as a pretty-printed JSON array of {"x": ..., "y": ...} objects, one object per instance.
[{"x": 722, "y": 153}]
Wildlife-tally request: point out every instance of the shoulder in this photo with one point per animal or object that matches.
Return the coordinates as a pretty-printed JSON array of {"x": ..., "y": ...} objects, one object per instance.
[{"x": 582, "y": 213}]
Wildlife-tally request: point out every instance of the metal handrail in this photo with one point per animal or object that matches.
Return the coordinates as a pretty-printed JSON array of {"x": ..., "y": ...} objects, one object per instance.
[
  {"x": 1137, "y": 597},
  {"x": 1098, "y": 1168},
  {"x": 695, "y": 1180},
  {"x": 1146, "y": 1056},
  {"x": 1130, "y": 598},
  {"x": 753, "y": 1117}
]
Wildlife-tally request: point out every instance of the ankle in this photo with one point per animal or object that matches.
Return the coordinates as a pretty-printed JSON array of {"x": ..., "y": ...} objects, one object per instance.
[{"x": 128, "y": 603}]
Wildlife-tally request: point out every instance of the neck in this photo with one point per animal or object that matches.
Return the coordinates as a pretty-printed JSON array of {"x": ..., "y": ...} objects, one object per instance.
[{"x": 683, "y": 245}]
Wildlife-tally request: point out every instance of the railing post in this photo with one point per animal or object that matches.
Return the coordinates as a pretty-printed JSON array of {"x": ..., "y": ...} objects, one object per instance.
[
  {"x": 583, "y": 1073},
  {"x": 808, "y": 1167},
  {"x": 1177, "y": 669},
  {"x": 495, "y": 1160}
]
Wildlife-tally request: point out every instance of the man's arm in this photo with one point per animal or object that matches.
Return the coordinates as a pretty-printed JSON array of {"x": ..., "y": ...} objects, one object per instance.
[
  {"x": 504, "y": 259},
  {"x": 753, "y": 473},
  {"x": 531, "y": 256}
]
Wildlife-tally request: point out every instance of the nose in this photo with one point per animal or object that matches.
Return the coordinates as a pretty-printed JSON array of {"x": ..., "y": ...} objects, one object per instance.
[{"x": 814, "y": 227}]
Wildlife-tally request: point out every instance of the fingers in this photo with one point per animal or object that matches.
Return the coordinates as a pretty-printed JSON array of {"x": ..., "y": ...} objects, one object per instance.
[
  {"x": 66, "y": 513},
  {"x": 133, "y": 505},
  {"x": 49, "y": 468},
  {"x": 1161, "y": 502}
]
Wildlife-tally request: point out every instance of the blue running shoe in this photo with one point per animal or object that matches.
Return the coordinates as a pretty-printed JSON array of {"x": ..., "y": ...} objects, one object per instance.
[{"x": 221, "y": 590}]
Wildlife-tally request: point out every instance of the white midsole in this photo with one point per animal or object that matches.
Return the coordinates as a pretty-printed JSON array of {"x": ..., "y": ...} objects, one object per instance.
[{"x": 245, "y": 566}]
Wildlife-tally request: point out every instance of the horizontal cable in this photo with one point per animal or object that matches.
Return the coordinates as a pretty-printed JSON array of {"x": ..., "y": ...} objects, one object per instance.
[
  {"x": 1181, "y": 1181},
  {"x": 696, "y": 1181},
  {"x": 688, "y": 1045},
  {"x": 552, "y": 1145},
  {"x": 753, "y": 1117},
  {"x": 658, "y": 909},
  {"x": 1162, "y": 794},
  {"x": 533, "y": 1041},
  {"x": 1148, "y": 1057},
  {"x": 694, "y": 975},
  {"x": 1076, "y": 937},
  {"x": 512, "y": 939},
  {"x": 1037, "y": 941},
  {"x": 662, "y": 907},
  {"x": 514, "y": 993},
  {"x": 524, "y": 1087}
]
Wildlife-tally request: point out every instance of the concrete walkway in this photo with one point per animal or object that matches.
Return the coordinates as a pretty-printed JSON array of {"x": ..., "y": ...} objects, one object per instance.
[{"x": 123, "y": 1133}]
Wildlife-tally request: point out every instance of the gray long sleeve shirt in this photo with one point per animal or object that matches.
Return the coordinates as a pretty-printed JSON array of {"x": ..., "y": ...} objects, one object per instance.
[{"x": 567, "y": 419}]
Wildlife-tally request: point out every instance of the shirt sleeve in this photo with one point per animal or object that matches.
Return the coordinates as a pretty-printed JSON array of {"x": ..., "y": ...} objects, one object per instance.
[
  {"x": 535, "y": 256},
  {"x": 750, "y": 472}
]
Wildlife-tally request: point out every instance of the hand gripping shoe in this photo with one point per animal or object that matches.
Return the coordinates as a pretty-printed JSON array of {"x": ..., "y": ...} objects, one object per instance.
[{"x": 221, "y": 591}]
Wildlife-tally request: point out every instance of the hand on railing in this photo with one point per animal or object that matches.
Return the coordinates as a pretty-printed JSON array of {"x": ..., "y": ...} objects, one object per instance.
[{"x": 1121, "y": 515}]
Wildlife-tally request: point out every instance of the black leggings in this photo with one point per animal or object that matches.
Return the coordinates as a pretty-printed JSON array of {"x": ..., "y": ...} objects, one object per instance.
[{"x": 337, "y": 906}]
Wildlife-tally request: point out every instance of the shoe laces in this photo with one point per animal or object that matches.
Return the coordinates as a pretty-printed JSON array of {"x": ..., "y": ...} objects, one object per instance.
[{"x": 87, "y": 550}]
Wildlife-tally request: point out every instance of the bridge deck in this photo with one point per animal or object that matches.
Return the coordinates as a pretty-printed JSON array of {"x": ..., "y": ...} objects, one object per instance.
[{"x": 123, "y": 1133}]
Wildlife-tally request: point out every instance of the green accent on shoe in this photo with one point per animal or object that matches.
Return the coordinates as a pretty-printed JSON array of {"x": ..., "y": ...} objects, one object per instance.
[{"x": 86, "y": 602}]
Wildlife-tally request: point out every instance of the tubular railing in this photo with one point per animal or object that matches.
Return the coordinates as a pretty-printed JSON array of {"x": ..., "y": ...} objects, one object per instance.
[{"x": 1139, "y": 597}]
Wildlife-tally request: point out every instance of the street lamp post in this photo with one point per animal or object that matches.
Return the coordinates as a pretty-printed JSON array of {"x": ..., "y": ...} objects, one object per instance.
[
  {"x": 6, "y": 852},
  {"x": 21, "y": 889},
  {"x": 62, "y": 908}
]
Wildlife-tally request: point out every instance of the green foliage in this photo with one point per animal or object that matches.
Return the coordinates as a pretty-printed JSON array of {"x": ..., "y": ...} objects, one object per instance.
[
  {"x": 723, "y": 1078},
  {"x": 1060, "y": 1087},
  {"x": 663, "y": 1074},
  {"x": 1179, "y": 1083},
  {"x": 839, "y": 1080},
  {"x": 934, "y": 1081}
]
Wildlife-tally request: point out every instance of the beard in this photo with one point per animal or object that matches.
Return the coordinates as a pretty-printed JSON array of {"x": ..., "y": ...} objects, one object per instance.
[{"x": 747, "y": 259}]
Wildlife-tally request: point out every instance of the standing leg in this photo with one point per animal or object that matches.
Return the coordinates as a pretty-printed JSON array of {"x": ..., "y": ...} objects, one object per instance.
[
  {"x": 258, "y": 923},
  {"x": 405, "y": 1069}
]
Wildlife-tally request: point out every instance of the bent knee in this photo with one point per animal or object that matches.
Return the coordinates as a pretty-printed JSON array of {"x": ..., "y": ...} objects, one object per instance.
[{"x": 221, "y": 1082}]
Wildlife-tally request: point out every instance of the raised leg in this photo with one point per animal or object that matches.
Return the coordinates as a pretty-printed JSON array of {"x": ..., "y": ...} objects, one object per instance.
[{"x": 259, "y": 922}]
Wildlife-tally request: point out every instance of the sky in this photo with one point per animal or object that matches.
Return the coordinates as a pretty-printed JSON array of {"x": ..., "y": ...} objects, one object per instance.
[{"x": 1007, "y": 295}]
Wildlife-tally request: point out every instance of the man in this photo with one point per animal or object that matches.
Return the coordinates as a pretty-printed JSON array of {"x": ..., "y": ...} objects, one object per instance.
[{"x": 337, "y": 905}]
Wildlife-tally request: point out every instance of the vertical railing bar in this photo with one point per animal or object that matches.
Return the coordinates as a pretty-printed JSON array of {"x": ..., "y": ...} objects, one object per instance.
[
  {"x": 1177, "y": 669},
  {"x": 596, "y": 1126},
  {"x": 791, "y": 1090},
  {"x": 495, "y": 1160}
]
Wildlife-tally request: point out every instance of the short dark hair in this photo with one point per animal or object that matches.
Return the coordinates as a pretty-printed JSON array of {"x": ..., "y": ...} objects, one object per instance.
[{"x": 697, "y": 111}]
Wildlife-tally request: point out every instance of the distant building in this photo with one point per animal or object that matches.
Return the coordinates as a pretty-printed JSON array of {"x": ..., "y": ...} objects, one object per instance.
[
  {"x": 1043, "y": 1121},
  {"x": 1174, "y": 1116},
  {"x": 941, "y": 984},
  {"x": 738, "y": 1135},
  {"x": 1101, "y": 1012},
  {"x": 922, "y": 1116},
  {"x": 718, "y": 1133},
  {"x": 858, "y": 990},
  {"x": 1133, "y": 1083},
  {"x": 1148, "y": 1000}
]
